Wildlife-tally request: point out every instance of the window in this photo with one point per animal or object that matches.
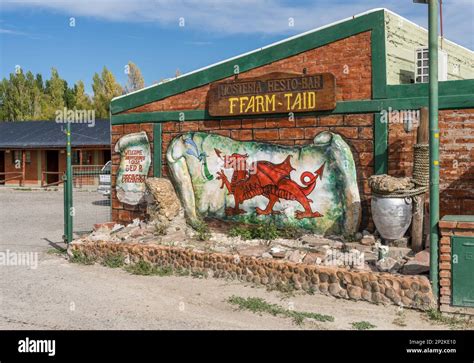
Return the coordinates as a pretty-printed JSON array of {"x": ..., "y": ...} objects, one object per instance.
[
  {"x": 16, "y": 157},
  {"x": 28, "y": 157},
  {"x": 75, "y": 157},
  {"x": 423, "y": 64}
]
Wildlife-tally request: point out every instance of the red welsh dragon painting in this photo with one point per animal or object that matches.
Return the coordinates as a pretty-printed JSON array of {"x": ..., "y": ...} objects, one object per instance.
[{"x": 273, "y": 181}]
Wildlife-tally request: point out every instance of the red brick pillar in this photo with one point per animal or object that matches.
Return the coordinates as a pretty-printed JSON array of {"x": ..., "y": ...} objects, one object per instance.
[{"x": 450, "y": 228}]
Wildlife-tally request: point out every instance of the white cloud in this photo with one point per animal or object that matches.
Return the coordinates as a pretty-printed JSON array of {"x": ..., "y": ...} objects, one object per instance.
[
  {"x": 11, "y": 32},
  {"x": 254, "y": 16}
]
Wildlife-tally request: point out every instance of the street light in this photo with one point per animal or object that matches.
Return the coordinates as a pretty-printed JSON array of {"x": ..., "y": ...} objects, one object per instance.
[{"x": 434, "y": 138}]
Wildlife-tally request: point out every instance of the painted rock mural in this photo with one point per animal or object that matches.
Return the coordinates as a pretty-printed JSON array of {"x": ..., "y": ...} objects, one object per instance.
[
  {"x": 312, "y": 187},
  {"x": 135, "y": 161}
]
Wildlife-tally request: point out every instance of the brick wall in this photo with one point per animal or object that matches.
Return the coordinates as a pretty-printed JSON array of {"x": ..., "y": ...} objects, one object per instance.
[
  {"x": 31, "y": 170},
  {"x": 348, "y": 59},
  {"x": 456, "y": 158}
]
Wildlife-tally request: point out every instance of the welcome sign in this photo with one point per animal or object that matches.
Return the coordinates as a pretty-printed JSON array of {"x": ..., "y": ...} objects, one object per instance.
[
  {"x": 135, "y": 160},
  {"x": 273, "y": 93}
]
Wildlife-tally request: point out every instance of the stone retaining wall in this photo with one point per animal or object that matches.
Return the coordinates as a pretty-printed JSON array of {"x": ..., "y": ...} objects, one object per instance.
[{"x": 408, "y": 291}]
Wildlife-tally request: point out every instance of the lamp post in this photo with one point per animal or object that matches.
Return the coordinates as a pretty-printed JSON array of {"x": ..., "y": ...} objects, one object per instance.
[{"x": 434, "y": 138}]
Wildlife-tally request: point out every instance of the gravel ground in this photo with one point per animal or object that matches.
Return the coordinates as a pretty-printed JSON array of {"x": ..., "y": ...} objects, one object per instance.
[{"x": 61, "y": 295}]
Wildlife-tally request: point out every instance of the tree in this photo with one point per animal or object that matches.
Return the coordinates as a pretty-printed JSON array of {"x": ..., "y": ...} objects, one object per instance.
[
  {"x": 39, "y": 82},
  {"x": 69, "y": 99},
  {"x": 81, "y": 99},
  {"x": 53, "y": 98},
  {"x": 105, "y": 88},
  {"x": 34, "y": 97},
  {"x": 135, "y": 79},
  {"x": 15, "y": 97}
]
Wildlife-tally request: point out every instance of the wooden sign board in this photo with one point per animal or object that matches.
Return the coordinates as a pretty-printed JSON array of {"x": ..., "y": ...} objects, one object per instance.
[{"x": 273, "y": 93}]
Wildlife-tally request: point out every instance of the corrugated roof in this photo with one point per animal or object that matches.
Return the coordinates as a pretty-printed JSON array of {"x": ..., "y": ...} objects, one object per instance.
[{"x": 50, "y": 134}]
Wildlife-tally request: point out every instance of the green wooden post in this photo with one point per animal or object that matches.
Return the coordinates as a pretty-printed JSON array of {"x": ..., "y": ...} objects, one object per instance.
[
  {"x": 69, "y": 202},
  {"x": 380, "y": 144}
]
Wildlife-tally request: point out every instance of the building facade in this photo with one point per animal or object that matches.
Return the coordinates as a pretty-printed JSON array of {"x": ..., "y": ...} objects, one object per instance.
[
  {"x": 33, "y": 153},
  {"x": 372, "y": 57}
]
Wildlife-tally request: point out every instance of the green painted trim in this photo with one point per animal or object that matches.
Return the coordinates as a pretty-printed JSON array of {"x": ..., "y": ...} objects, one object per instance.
[
  {"x": 380, "y": 145},
  {"x": 157, "y": 150},
  {"x": 458, "y": 218},
  {"x": 446, "y": 88},
  {"x": 367, "y": 22},
  {"x": 379, "y": 58},
  {"x": 345, "y": 107}
]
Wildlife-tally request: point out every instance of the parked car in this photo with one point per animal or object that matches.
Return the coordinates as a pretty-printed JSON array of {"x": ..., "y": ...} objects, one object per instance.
[{"x": 104, "y": 179}]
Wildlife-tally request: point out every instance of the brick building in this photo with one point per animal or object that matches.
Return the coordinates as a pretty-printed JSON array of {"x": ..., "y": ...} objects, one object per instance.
[
  {"x": 33, "y": 153},
  {"x": 372, "y": 57}
]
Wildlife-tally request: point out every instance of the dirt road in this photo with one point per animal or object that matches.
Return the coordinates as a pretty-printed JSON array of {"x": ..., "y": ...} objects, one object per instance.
[{"x": 61, "y": 295}]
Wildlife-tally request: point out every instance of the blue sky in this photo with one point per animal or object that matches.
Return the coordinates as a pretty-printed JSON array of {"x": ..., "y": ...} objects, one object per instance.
[{"x": 36, "y": 34}]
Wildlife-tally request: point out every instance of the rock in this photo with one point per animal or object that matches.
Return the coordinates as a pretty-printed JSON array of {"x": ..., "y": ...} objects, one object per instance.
[
  {"x": 117, "y": 227},
  {"x": 295, "y": 256},
  {"x": 313, "y": 240},
  {"x": 135, "y": 223},
  {"x": 166, "y": 205},
  {"x": 255, "y": 251},
  {"x": 401, "y": 242},
  {"x": 388, "y": 264},
  {"x": 99, "y": 237},
  {"x": 358, "y": 236},
  {"x": 334, "y": 289},
  {"x": 386, "y": 183},
  {"x": 312, "y": 258},
  {"x": 266, "y": 255},
  {"x": 104, "y": 226},
  {"x": 362, "y": 267},
  {"x": 277, "y": 252},
  {"x": 365, "y": 233},
  {"x": 370, "y": 257},
  {"x": 354, "y": 292},
  {"x": 368, "y": 240},
  {"x": 357, "y": 246},
  {"x": 398, "y": 252},
  {"x": 418, "y": 265},
  {"x": 137, "y": 232}
]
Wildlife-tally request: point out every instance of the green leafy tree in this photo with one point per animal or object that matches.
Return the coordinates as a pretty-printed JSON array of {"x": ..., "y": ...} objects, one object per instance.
[
  {"x": 69, "y": 99},
  {"x": 81, "y": 99},
  {"x": 53, "y": 98},
  {"x": 39, "y": 82},
  {"x": 15, "y": 97},
  {"x": 135, "y": 79},
  {"x": 105, "y": 88},
  {"x": 34, "y": 97}
]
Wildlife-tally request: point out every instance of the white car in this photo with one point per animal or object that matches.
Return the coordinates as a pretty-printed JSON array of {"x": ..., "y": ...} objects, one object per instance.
[{"x": 104, "y": 179}]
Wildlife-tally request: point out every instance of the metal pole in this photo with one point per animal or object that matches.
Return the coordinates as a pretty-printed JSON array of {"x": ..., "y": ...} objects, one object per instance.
[
  {"x": 66, "y": 210},
  {"x": 70, "y": 210},
  {"x": 434, "y": 143}
]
